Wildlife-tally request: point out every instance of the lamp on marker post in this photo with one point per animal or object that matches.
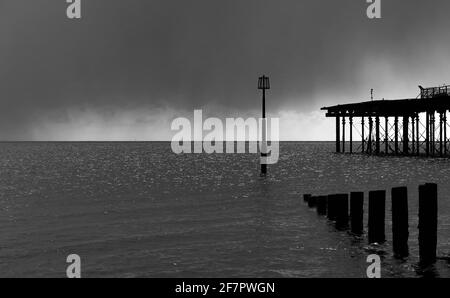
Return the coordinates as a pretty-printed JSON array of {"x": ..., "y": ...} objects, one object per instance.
[{"x": 263, "y": 84}]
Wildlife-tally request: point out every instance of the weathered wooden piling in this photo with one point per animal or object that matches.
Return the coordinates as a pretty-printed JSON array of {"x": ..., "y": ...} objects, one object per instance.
[
  {"x": 428, "y": 213},
  {"x": 400, "y": 233},
  {"x": 306, "y": 197},
  {"x": 312, "y": 202},
  {"x": 377, "y": 205},
  {"x": 357, "y": 212},
  {"x": 342, "y": 210},
  {"x": 331, "y": 206},
  {"x": 322, "y": 205}
]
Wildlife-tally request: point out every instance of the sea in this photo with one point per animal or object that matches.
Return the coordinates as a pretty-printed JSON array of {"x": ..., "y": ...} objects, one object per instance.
[{"x": 136, "y": 209}]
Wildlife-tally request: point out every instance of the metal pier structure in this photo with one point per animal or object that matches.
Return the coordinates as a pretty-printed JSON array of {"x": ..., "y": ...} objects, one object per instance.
[{"x": 412, "y": 127}]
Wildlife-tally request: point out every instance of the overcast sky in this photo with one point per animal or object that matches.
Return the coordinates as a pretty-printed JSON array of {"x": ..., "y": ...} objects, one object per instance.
[{"x": 128, "y": 68}]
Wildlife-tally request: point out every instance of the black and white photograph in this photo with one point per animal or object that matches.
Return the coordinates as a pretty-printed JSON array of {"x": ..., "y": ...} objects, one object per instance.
[{"x": 238, "y": 144}]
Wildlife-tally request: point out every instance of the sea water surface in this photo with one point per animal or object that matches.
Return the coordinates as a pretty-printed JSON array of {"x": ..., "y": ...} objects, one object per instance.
[{"x": 139, "y": 210}]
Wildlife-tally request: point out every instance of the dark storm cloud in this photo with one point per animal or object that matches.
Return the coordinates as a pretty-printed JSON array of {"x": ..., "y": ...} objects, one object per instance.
[{"x": 127, "y": 55}]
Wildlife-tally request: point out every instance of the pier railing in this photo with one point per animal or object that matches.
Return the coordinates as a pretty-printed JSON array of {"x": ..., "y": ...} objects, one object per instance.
[{"x": 434, "y": 92}]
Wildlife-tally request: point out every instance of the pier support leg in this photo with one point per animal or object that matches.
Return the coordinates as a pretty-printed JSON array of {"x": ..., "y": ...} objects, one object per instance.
[
  {"x": 363, "y": 140},
  {"x": 357, "y": 212},
  {"x": 432, "y": 134},
  {"x": 445, "y": 133},
  {"x": 343, "y": 134},
  {"x": 369, "y": 148},
  {"x": 428, "y": 212},
  {"x": 417, "y": 135},
  {"x": 377, "y": 204},
  {"x": 400, "y": 225},
  {"x": 396, "y": 135},
  {"x": 405, "y": 135},
  {"x": 377, "y": 135},
  {"x": 351, "y": 134},
  {"x": 338, "y": 135},
  {"x": 427, "y": 134},
  {"x": 441, "y": 141},
  {"x": 413, "y": 137},
  {"x": 386, "y": 135}
]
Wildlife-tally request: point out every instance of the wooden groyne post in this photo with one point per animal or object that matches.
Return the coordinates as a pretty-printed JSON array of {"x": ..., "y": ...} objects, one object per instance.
[
  {"x": 377, "y": 205},
  {"x": 331, "y": 204},
  {"x": 306, "y": 197},
  {"x": 357, "y": 212},
  {"x": 400, "y": 226},
  {"x": 336, "y": 208},
  {"x": 428, "y": 214},
  {"x": 322, "y": 205},
  {"x": 342, "y": 210},
  {"x": 312, "y": 202}
]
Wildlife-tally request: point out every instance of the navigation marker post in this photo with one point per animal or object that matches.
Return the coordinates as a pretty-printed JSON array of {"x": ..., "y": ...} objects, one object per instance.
[{"x": 263, "y": 84}]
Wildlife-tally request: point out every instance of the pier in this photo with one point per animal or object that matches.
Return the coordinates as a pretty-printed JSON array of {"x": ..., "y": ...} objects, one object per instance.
[{"x": 412, "y": 127}]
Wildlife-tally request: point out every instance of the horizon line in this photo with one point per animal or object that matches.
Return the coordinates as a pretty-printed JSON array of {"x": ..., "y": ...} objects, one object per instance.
[{"x": 135, "y": 141}]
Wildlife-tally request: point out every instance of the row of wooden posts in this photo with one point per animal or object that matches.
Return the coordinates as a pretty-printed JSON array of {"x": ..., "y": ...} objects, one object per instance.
[{"x": 336, "y": 208}]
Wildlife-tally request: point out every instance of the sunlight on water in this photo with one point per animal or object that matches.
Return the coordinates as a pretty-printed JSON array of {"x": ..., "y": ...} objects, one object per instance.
[{"x": 137, "y": 209}]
